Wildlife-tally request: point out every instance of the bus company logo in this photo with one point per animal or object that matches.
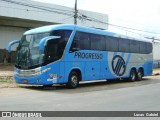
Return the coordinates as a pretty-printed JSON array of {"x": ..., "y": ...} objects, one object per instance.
[{"x": 118, "y": 65}]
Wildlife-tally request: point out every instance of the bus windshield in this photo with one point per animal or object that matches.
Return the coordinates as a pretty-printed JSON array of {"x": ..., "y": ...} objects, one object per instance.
[{"x": 29, "y": 56}]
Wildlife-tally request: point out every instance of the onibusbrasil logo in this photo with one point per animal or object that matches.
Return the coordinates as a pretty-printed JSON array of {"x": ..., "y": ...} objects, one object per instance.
[{"x": 118, "y": 65}]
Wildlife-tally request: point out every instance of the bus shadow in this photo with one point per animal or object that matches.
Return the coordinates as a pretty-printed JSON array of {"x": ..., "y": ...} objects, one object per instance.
[{"x": 92, "y": 86}]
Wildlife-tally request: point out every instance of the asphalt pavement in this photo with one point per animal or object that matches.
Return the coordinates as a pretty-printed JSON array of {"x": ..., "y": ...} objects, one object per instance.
[
  {"x": 97, "y": 96},
  {"x": 89, "y": 96}
]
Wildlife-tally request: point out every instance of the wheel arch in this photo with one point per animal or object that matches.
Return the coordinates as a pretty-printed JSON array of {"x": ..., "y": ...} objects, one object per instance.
[
  {"x": 78, "y": 71},
  {"x": 141, "y": 68},
  {"x": 133, "y": 68},
  {"x": 132, "y": 74}
]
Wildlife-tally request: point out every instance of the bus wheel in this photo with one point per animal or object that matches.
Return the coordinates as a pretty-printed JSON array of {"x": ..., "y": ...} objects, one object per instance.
[
  {"x": 73, "y": 80},
  {"x": 139, "y": 75},
  {"x": 133, "y": 75}
]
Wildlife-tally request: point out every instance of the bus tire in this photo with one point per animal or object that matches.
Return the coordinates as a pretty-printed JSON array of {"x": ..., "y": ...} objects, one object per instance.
[
  {"x": 73, "y": 80},
  {"x": 133, "y": 75},
  {"x": 139, "y": 75}
]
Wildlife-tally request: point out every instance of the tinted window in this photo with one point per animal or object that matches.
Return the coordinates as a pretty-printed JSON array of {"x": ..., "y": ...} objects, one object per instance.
[
  {"x": 112, "y": 44},
  {"x": 134, "y": 46},
  {"x": 64, "y": 34},
  {"x": 108, "y": 43},
  {"x": 88, "y": 41},
  {"x": 56, "y": 47},
  {"x": 149, "y": 47},
  {"x": 97, "y": 42},
  {"x": 81, "y": 41},
  {"x": 124, "y": 45},
  {"x": 143, "y": 47}
]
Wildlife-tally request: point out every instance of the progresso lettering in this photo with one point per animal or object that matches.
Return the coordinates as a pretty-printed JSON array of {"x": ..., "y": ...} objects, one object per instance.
[{"x": 88, "y": 55}]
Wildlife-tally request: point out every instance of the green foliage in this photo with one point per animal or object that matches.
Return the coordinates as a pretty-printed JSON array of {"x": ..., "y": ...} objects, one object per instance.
[{"x": 3, "y": 80}]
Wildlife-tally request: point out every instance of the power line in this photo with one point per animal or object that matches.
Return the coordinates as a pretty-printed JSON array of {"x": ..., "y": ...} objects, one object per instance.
[
  {"x": 30, "y": 5},
  {"x": 153, "y": 39},
  {"x": 63, "y": 19},
  {"x": 78, "y": 15},
  {"x": 58, "y": 11},
  {"x": 127, "y": 29},
  {"x": 21, "y": 9},
  {"x": 96, "y": 20}
]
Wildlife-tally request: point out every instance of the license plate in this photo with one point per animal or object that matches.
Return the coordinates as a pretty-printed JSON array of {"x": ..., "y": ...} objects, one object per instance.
[{"x": 25, "y": 81}]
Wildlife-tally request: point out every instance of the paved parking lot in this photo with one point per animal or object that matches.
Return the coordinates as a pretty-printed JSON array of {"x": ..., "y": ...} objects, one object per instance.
[
  {"x": 115, "y": 95},
  {"x": 89, "y": 96}
]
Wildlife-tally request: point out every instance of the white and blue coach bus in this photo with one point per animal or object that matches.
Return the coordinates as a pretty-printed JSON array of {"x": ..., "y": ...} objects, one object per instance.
[{"x": 68, "y": 54}]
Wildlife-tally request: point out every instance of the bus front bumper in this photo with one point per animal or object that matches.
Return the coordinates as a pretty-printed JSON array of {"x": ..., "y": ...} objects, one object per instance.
[{"x": 36, "y": 76}]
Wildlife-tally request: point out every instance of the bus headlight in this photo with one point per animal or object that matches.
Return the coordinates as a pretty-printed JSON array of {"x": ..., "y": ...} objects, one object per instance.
[{"x": 28, "y": 73}]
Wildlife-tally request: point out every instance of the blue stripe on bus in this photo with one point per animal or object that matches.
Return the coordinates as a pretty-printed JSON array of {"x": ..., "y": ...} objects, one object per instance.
[
  {"x": 128, "y": 58},
  {"x": 115, "y": 53},
  {"x": 122, "y": 54}
]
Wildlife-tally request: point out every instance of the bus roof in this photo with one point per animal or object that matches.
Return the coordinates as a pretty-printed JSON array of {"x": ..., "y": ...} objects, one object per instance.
[
  {"x": 50, "y": 28},
  {"x": 68, "y": 27}
]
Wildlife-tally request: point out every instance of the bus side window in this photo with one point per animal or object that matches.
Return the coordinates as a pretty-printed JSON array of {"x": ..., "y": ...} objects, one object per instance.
[
  {"x": 111, "y": 43},
  {"x": 108, "y": 44},
  {"x": 52, "y": 50},
  {"x": 149, "y": 48},
  {"x": 124, "y": 45},
  {"x": 80, "y": 42},
  {"x": 97, "y": 42},
  {"x": 75, "y": 46},
  {"x": 143, "y": 48},
  {"x": 84, "y": 41},
  {"x": 134, "y": 46}
]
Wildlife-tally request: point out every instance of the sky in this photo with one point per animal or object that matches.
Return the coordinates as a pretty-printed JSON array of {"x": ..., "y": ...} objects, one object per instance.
[{"x": 138, "y": 14}]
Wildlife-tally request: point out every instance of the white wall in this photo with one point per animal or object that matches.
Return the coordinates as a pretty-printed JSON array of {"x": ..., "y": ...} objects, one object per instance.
[
  {"x": 8, "y": 34},
  {"x": 24, "y": 12},
  {"x": 156, "y": 51}
]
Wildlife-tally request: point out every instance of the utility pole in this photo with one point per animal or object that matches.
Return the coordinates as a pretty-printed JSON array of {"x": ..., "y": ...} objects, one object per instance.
[
  {"x": 75, "y": 13},
  {"x": 153, "y": 39}
]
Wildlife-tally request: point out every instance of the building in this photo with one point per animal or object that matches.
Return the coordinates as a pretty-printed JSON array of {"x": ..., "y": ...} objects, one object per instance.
[
  {"x": 17, "y": 16},
  {"x": 156, "y": 54}
]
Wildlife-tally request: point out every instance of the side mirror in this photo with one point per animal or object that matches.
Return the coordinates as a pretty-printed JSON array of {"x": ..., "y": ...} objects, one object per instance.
[
  {"x": 12, "y": 43},
  {"x": 43, "y": 41}
]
